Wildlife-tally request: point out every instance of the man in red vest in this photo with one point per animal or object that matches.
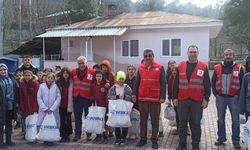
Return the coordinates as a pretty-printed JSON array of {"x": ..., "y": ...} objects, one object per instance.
[
  {"x": 82, "y": 78},
  {"x": 150, "y": 88},
  {"x": 191, "y": 92},
  {"x": 226, "y": 83}
]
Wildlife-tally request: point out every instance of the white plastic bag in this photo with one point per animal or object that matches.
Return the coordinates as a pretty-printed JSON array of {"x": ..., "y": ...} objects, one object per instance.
[
  {"x": 169, "y": 113},
  {"x": 135, "y": 121},
  {"x": 242, "y": 119},
  {"x": 246, "y": 134},
  {"x": 94, "y": 122},
  {"x": 49, "y": 130},
  {"x": 150, "y": 125},
  {"x": 31, "y": 128},
  {"x": 119, "y": 113},
  {"x": 172, "y": 123}
]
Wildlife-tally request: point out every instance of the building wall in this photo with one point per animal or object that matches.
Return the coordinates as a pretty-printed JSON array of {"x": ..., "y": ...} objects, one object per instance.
[{"x": 103, "y": 46}]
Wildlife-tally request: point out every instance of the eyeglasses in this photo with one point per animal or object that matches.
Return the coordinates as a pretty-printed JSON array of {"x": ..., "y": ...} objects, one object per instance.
[{"x": 149, "y": 56}]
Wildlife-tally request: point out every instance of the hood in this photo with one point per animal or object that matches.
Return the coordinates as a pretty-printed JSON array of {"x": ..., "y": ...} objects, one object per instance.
[
  {"x": 34, "y": 78},
  {"x": 106, "y": 63}
]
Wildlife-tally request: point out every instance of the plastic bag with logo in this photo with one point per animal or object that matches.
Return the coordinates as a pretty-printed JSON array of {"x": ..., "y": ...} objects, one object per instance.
[
  {"x": 49, "y": 130},
  {"x": 31, "y": 129},
  {"x": 94, "y": 122},
  {"x": 119, "y": 113},
  {"x": 246, "y": 134},
  {"x": 135, "y": 121}
]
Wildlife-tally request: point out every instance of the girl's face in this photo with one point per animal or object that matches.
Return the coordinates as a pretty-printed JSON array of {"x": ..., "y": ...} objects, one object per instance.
[
  {"x": 65, "y": 75},
  {"x": 171, "y": 64},
  {"x": 27, "y": 76},
  {"x": 131, "y": 71},
  {"x": 49, "y": 79},
  {"x": 120, "y": 82},
  {"x": 98, "y": 78},
  {"x": 3, "y": 71},
  {"x": 174, "y": 71}
]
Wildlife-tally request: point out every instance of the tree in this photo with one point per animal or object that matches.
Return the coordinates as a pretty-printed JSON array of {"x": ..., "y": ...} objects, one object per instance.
[
  {"x": 237, "y": 21},
  {"x": 81, "y": 10},
  {"x": 149, "y": 5}
]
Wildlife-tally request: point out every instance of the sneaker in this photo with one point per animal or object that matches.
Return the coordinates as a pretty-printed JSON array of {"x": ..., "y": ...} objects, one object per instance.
[
  {"x": 10, "y": 143},
  {"x": 122, "y": 142},
  {"x": 105, "y": 140},
  {"x": 237, "y": 145},
  {"x": 49, "y": 143},
  {"x": 76, "y": 138},
  {"x": 3, "y": 146},
  {"x": 141, "y": 143},
  {"x": 161, "y": 134},
  {"x": 154, "y": 145},
  {"x": 62, "y": 140},
  {"x": 88, "y": 138},
  {"x": 219, "y": 142},
  {"x": 117, "y": 142},
  {"x": 181, "y": 147}
]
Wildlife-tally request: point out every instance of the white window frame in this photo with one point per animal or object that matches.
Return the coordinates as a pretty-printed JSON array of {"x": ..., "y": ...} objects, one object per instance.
[
  {"x": 129, "y": 48},
  {"x": 170, "y": 47}
]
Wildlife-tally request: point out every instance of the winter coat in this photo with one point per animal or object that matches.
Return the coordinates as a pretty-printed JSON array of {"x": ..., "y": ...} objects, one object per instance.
[
  {"x": 70, "y": 96},
  {"x": 99, "y": 94},
  {"x": 32, "y": 68},
  {"x": 110, "y": 75},
  {"x": 127, "y": 93},
  {"x": 3, "y": 102},
  {"x": 28, "y": 101},
  {"x": 48, "y": 99}
]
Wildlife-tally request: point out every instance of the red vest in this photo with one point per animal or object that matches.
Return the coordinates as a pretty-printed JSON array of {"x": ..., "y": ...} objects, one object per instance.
[
  {"x": 82, "y": 87},
  {"x": 234, "y": 88},
  {"x": 149, "y": 89},
  {"x": 193, "y": 89}
]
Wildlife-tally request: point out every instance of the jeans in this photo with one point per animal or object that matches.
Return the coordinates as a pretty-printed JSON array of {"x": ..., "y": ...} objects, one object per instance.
[
  {"x": 80, "y": 104},
  {"x": 233, "y": 104}
]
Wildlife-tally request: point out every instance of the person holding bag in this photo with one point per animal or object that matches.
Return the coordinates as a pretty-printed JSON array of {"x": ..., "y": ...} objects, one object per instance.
[
  {"x": 120, "y": 91},
  {"x": 28, "y": 95},
  {"x": 98, "y": 92},
  {"x": 49, "y": 99},
  {"x": 65, "y": 85}
]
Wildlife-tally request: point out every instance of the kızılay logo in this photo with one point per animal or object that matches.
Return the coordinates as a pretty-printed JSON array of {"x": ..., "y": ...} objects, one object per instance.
[
  {"x": 49, "y": 127},
  {"x": 117, "y": 112}
]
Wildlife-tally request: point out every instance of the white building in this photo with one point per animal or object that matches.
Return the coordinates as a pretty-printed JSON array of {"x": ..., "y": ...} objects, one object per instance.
[{"x": 123, "y": 38}]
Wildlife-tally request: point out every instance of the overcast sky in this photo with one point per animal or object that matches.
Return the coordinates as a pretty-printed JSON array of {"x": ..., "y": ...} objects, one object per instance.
[{"x": 201, "y": 3}]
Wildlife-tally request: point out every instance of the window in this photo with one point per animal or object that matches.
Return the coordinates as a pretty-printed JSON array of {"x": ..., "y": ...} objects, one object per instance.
[
  {"x": 165, "y": 48},
  {"x": 176, "y": 47},
  {"x": 171, "y": 47},
  {"x": 134, "y": 48},
  {"x": 125, "y": 48},
  {"x": 130, "y": 48}
]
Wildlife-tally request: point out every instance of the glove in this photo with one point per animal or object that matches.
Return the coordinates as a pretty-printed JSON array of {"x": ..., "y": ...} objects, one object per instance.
[{"x": 242, "y": 119}]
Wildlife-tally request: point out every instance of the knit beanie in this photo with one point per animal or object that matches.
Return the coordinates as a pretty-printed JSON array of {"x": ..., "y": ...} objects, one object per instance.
[{"x": 120, "y": 74}]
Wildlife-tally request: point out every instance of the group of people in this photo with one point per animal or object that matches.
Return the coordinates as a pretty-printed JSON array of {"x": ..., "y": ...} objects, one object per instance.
[{"x": 66, "y": 91}]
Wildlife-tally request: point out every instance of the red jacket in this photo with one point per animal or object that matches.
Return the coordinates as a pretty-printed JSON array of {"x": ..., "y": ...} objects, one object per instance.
[
  {"x": 193, "y": 89},
  {"x": 82, "y": 87},
  {"x": 234, "y": 82},
  {"x": 149, "y": 89},
  {"x": 99, "y": 94},
  {"x": 28, "y": 102}
]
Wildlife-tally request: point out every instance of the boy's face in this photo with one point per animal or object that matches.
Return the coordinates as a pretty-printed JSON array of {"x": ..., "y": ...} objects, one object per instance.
[
  {"x": 120, "y": 81},
  {"x": 27, "y": 76},
  {"x": 18, "y": 75},
  {"x": 98, "y": 77},
  {"x": 27, "y": 62}
]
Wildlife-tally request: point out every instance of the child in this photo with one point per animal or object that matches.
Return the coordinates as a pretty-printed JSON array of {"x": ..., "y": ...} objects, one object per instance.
[
  {"x": 49, "y": 98},
  {"x": 99, "y": 96},
  {"x": 170, "y": 95},
  {"x": 40, "y": 76},
  {"x": 18, "y": 76},
  {"x": 8, "y": 98},
  {"x": 120, "y": 91},
  {"x": 28, "y": 95},
  {"x": 65, "y": 85}
]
